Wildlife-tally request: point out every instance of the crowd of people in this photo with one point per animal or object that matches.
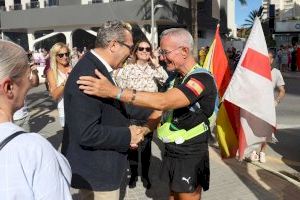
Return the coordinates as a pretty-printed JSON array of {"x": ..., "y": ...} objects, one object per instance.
[{"x": 109, "y": 107}]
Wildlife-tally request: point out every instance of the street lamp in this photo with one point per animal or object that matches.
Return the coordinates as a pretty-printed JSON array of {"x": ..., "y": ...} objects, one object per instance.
[{"x": 152, "y": 21}]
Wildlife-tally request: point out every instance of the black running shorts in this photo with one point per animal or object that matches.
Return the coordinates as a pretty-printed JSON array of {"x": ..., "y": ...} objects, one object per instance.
[{"x": 184, "y": 175}]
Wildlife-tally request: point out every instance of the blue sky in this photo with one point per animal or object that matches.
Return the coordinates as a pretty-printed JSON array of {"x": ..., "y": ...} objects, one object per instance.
[{"x": 242, "y": 12}]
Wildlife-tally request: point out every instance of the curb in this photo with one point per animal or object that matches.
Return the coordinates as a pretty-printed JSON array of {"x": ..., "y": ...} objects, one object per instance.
[
  {"x": 290, "y": 180},
  {"x": 285, "y": 177}
]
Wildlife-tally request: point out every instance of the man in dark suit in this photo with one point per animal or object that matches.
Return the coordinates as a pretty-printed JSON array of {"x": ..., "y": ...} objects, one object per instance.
[{"x": 97, "y": 134}]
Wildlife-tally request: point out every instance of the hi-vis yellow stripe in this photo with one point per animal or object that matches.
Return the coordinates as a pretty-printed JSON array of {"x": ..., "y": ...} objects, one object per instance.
[{"x": 227, "y": 138}]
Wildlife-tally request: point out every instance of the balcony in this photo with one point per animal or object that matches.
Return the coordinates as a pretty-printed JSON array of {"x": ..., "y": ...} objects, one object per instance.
[
  {"x": 30, "y": 5},
  {"x": 15, "y": 7}
]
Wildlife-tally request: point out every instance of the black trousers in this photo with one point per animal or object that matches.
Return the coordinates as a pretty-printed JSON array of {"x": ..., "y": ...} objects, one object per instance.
[{"x": 133, "y": 156}]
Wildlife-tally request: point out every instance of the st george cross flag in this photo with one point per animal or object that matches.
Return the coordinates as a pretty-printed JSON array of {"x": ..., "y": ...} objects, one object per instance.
[{"x": 248, "y": 113}]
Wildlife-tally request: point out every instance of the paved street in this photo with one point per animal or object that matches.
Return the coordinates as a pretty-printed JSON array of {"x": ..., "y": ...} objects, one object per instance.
[{"x": 230, "y": 179}]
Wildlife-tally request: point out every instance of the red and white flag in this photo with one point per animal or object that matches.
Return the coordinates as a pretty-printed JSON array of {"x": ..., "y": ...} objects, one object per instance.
[{"x": 251, "y": 91}]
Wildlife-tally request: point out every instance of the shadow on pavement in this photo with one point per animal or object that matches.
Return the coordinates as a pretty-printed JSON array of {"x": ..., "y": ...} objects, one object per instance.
[
  {"x": 288, "y": 147},
  {"x": 56, "y": 139},
  {"x": 42, "y": 105},
  {"x": 280, "y": 188},
  {"x": 254, "y": 178}
]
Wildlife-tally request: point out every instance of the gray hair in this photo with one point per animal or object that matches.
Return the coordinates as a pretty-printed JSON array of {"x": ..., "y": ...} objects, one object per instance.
[
  {"x": 13, "y": 60},
  {"x": 111, "y": 30},
  {"x": 181, "y": 35}
]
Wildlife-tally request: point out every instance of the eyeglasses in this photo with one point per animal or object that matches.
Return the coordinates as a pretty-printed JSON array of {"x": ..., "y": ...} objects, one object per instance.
[
  {"x": 60, "y": 55},
  {"x": 164, "y": 52},
  {"x": 148, "y": 49},
  {"x": 126, "y": 45}
]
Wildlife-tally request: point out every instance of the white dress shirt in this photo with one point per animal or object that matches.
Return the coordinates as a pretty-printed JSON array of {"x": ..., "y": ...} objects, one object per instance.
[
  {"x": 30, "y": 168},
  {"x": 107, "y": 66}
]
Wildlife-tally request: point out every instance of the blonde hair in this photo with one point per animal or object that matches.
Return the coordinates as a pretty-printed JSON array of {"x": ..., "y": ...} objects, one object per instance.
[
  {"x": 53, "y": 53},
  {"x": 13, "y": 60}
]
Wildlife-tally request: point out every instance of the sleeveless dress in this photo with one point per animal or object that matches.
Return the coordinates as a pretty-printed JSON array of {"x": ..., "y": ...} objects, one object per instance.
[{"x": 61, "y": 77}]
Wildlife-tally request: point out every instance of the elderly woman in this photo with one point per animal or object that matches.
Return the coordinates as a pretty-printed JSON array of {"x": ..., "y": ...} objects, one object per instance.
[
  {"x": 30, "y": 168},
  {"x": 57, "y": 75}
]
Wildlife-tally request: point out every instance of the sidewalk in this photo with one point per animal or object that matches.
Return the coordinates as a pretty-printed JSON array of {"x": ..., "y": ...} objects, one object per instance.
[
  {"x": 230, "y": 179},
  {"x": 290, "y": 74}
]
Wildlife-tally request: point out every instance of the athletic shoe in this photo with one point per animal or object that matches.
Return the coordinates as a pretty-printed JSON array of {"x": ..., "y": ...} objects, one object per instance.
[
  {"x": 262, "y": 157},
  {"x": 254, "y": 156}
]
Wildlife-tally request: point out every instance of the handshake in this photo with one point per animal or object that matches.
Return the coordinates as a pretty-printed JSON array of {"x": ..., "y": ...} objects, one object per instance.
[{"x": 137, "y": 135}]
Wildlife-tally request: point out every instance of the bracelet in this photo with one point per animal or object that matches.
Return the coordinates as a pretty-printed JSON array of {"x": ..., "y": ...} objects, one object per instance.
[
  {"x": 118, "y": 97},
  {"x": 133, "y": 96}
]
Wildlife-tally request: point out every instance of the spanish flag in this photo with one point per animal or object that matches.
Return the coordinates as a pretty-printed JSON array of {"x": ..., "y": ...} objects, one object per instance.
[{"x": 216, "y": 62}]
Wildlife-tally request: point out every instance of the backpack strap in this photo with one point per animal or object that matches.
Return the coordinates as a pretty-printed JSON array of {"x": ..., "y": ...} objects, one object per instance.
[{"x": 9, "y": 138}]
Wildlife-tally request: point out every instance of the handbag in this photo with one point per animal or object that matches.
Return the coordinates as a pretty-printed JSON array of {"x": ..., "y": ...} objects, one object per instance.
[{"x": 9, "y": 138}]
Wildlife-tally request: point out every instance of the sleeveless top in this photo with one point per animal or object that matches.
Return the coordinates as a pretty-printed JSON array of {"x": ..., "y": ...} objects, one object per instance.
[{"x": 61, "y": 77}]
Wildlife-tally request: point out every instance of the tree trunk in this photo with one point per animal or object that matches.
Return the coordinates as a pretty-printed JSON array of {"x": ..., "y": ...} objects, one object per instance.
[{"x": 193, "y": 7}]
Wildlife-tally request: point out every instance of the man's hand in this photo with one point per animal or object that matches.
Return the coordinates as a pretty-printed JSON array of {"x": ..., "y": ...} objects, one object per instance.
[
  {"x": 100, "y": 87},
  {"x": 137, "y": 136}
]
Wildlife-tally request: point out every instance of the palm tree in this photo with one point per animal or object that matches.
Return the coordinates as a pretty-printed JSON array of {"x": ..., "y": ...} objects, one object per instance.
[
  {"x": 194, "y": 31},
  {"x": 251, "y": 17}
]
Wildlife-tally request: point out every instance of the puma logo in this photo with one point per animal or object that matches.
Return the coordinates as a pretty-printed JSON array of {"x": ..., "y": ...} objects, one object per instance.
[{"x": 186, "y": 179}]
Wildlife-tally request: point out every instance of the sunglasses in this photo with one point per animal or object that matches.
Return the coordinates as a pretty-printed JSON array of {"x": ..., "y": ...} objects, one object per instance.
[
  {"x": 60, "y": 55},
  {"x": 148, "y": 49}
]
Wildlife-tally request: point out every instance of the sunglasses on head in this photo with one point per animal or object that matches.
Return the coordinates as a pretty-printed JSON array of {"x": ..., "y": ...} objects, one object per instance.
[
  {"x": 63, "y": 54},
  {"x": 148, "y": 49}
]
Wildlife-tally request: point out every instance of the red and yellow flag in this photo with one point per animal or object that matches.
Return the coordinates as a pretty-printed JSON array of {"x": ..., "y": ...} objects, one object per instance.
[{"x": 216, "y": 62}]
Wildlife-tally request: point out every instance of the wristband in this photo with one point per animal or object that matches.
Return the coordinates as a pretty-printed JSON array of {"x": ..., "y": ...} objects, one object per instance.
[
  {"x": 118, "y": 97},
  {"x": 133, "y": 96}
]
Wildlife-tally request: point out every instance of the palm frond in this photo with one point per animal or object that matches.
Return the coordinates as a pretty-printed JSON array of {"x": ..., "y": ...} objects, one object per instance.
[{"x": 243, "y": 2}]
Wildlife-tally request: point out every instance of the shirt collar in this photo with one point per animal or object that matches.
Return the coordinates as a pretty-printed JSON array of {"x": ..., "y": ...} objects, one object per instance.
[{"x": 108, "y": 67}]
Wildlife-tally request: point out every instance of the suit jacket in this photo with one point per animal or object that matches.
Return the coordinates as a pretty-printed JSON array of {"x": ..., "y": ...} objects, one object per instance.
[{"x": 96, "y": 134}]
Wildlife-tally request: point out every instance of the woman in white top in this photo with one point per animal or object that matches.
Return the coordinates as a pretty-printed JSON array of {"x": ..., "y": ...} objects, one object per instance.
[
  {"x": 30, "y": 168},
  {"x": 57, "y": 76}
]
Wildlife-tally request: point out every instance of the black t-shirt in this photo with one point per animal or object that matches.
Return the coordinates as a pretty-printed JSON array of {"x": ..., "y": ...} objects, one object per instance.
[{"x": 198, "y": 88}]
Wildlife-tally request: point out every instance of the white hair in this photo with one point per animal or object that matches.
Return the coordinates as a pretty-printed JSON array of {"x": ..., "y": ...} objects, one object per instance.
[
  {"x": 13, "y": 60},
  {"x": 181, "y": 35}
]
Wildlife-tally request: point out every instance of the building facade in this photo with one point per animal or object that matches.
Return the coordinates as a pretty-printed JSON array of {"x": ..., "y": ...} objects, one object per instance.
[
  {"x": 38, "y": 24},
  {"x": 286, "y": 20}
]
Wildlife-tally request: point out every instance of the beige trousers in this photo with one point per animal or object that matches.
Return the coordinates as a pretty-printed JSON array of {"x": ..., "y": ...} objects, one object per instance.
[{"x": 101, "y": 195}]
